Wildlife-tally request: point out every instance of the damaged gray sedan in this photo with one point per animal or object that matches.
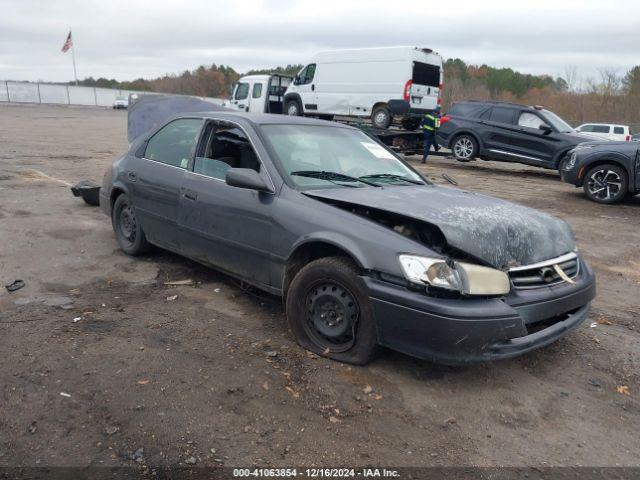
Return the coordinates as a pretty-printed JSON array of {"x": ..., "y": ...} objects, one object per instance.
[{"x": 365, "y": 251}]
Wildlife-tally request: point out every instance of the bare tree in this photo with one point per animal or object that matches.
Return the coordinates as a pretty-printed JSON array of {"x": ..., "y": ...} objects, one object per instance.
[{"x": 571, "y": 77}]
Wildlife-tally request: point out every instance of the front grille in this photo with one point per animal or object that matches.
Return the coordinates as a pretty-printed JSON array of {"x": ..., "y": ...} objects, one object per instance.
[{"x": 543, "y": 274}]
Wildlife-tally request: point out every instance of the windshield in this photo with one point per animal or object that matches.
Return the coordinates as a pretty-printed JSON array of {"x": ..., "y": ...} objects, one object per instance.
[
  {"x": 556, "y": 122},
  {"x": 317, "y": 157}
]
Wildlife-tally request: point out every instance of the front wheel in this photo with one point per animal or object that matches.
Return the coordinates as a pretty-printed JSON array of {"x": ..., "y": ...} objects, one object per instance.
[
  {"x": 606, "y": 183},
  {"x": 465, "y": 148},
  {"x": 129, "y": 233},
  {"x": 293, "y": 108},
  {"x": 329, "y": 311}
]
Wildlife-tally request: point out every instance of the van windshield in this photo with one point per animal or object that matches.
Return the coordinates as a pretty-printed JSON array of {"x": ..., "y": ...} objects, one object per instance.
[{"x": 320, "y": 157}]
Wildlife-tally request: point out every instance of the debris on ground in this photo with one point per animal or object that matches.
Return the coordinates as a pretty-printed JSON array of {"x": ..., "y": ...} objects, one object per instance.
[
  {"x": 15, "y": 285},
  {"x": 272, "y": 353},
  {"x": 293, "y": 393},
  {"x": 111, "y": 430},
  {"x": 367, "y": 390},
  {"x": 77, "y": 319},
  {"x": 138, "y": 455},
  {"x": 593, "y": 325},
  {"x": 33, "y": 427},
  {"x": 171, "y": 298},
  {"x": 143, "y": 381},
  {"x": 594, "y": 382},
  {"x": 65, "y": 394},
  {"x": 624, "y": 389},
  {"x": 187, "y": 281},
  {"x": 449, "y": 179},
  {"x": 604, "y": 321},
  {"x": 191, "y": 461},
  {"x": 88, "y": 190}
]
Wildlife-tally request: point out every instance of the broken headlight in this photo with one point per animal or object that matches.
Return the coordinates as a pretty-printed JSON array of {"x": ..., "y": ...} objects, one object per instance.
[{"x": 466, "y": 278}]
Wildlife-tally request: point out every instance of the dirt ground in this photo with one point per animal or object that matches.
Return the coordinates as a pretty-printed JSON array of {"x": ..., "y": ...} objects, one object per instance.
[{"x": 98, "y": 362}]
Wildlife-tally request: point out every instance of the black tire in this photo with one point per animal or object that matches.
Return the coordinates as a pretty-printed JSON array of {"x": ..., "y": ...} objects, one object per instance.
[
  {"x": 411, "y": 123},
  {"x": 293, "y": 108},
  {"x": 329, "y": 311},
  {"x": 562, "y": 164},
  {"x": 381, "y": 116},
  {"x": 129, "y": 233},
  {"x": 464, "y": 148},
  {"x": 606, "y": 183}
]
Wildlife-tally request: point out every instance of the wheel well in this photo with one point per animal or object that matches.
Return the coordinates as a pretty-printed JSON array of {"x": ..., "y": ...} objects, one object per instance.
[
  {"x": 603, "y": 161},
  {"x": 115, "y": 193},
  {"x": 381, "y": 104},
  {"x": 309, "y": 252}
]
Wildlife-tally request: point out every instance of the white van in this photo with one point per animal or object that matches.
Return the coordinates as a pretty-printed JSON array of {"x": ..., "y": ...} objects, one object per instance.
[
  {"x": 379, "y": 83},
  {"x": 259, "y": 94},
  {"x": 607, "y": 131}
]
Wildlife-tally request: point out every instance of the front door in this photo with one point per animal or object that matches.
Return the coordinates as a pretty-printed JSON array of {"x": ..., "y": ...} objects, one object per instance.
[
  {"x": 240, "y": 98},
  {"x": 258, "y": 101},
  {"x": 227, "y": 227},
  {"x": 305, "y": 83},
  {"x": 155, "y": 179},
  {"x": 532, "y": 145}
]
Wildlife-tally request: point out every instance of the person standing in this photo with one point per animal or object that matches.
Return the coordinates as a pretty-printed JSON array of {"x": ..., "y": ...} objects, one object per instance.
[{"x": 430, "y": 124}]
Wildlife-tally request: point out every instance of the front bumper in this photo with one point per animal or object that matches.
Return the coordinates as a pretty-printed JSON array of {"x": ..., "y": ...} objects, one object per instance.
[
  {"x": 571, "y": 176},
  {"x": 456, "y": 331}
]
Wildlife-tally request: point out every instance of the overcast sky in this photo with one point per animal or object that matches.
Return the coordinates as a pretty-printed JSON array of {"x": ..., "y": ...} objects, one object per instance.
[{"x": 130, "y": 39}]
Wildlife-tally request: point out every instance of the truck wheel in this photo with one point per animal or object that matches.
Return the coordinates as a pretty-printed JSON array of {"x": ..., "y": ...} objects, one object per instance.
[
  {"x": 293, "y": 108},
  {"x": 464, "y": 148},
  {"x": 605, "y": 183},
  {"x": 329, "y": 311},
  {"x": 381, "y": 116},
  {"x": 129, "y": 233}
]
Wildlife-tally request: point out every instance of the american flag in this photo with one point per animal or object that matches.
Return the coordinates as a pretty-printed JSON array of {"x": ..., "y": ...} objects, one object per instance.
[{"x": 68, "y": 43}]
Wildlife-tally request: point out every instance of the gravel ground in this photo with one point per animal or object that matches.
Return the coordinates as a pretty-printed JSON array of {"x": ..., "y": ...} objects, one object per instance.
[{"x": 102, "y": 366}]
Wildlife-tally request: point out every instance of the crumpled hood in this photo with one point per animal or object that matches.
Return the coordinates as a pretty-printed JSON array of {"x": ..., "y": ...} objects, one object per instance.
[{"x": 500, "y": 233}]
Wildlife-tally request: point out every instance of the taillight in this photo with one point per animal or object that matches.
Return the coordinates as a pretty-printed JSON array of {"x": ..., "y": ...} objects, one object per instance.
[
  {"x": 407, "y": 90},
  {"x": 444, "y": 119},
  {"x": 628, "y": 139}
]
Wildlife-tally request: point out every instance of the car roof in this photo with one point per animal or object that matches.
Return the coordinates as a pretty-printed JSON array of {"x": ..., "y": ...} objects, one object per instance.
[
  {"x": 501, "y": 104},
  {"x": 265, "y": 118},
  {"x": 606, "y": 124}
]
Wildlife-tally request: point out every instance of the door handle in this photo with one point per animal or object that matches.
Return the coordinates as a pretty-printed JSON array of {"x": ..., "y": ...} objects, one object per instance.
[
  {"x": 313, "y": 87},
  {"x": 190, "y": 195},
  {"x": 133, "y": 176}
]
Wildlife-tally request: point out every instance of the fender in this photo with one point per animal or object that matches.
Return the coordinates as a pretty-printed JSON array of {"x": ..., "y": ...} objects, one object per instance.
[
  {"x": 337, "y": 240},
  {"x": 617, "y": 159},
  {"x": 294, "y": 96}
]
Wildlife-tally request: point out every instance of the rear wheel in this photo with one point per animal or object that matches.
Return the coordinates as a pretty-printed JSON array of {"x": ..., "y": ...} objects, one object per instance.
[
  {"x": 129, "y": 233},
  {"x": 606, "y": 183},
  {"x": 329, "y": 311},
  {"x": 293, "y": 108},
  {"x": 464, "y": 148},
  {"x": 381, "y": 116}
]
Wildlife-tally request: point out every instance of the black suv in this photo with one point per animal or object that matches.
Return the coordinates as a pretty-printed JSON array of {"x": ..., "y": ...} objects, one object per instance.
[{"x": 507, "y": 132}]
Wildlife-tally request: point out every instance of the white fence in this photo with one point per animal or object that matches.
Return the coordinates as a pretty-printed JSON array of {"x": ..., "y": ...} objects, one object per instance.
[{"x": 27, "y": 92}]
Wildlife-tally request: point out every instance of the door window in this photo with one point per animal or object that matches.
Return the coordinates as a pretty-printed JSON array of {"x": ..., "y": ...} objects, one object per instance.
[
  {"x": 226, "y": 146},
  {"x": 257, "y": 90},
  {"x": 306, "y": 75},
  {"x": 502, "y": 115},
  {"x": 426, "y": 74},
  {"x": 242, "y": 92},
  {"x": 173, "y": 143},
  {"x": 618, "y": 130},
  {"x": 530, "y": 120}
]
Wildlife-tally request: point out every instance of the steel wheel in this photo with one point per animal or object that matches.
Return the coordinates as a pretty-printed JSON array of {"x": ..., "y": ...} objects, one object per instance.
[
  {"x": 332, "y": 314},
  {"x": 463, "y": 148},
  {"x": 128, "y": 224},
  {"x": 293, "y": 109},
  {"x": 604, "y": 184}
]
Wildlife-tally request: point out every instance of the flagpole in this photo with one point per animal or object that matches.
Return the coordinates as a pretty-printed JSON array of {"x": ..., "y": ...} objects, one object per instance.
[{"x": 73, "y": 56}]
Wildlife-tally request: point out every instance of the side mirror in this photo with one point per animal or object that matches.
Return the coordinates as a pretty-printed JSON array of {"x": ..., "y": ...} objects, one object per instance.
[
  {"x": 246, "y": 178},
  {"x": 296, "y": 80},
  {"x": 546, "y": 129}
]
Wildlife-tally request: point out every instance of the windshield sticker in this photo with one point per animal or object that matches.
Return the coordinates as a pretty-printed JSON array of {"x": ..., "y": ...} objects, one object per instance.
[{"x": 378, "y": 151}]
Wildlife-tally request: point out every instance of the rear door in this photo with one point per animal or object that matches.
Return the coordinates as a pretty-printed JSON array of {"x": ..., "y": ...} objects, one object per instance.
[
  {"x": 156, "y": 178},
  {"x": 425, "y": 86},
  {"x": 498, "y": 126}
]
